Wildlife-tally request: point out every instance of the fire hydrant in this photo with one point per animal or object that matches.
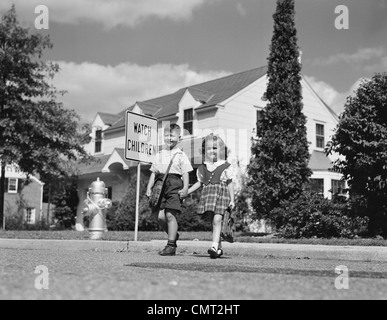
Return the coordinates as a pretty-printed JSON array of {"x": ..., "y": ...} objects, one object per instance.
[{"x": 95, "y": 207}]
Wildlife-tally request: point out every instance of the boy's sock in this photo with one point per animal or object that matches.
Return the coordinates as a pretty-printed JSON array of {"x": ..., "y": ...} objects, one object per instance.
[
  {"x": 172, "y": 243},
  {"x": 215, "y": 245}
]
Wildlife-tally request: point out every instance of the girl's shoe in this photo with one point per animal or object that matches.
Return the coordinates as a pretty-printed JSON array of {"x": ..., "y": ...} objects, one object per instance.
[
  {"x": 168, "y": 251},
  {"x": 213, "y": 253},
  {"x": 220, "y": 252}
]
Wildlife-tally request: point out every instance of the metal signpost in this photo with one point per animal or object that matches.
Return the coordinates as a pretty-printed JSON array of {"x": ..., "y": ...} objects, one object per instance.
[{"x": 141, "y": 145}]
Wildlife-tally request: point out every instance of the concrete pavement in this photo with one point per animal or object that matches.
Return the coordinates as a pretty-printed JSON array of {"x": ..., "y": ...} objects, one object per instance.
[
  {"x": 121, "y": 270},
  {"x": 351, "y": 253}
]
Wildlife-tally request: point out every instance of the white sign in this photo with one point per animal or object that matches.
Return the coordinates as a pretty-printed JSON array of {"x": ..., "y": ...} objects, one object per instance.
[{"x": 141, "y": 137}]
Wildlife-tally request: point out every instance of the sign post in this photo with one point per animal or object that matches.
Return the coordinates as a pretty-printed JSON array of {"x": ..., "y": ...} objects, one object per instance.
[{"x": 141, "y": 145}]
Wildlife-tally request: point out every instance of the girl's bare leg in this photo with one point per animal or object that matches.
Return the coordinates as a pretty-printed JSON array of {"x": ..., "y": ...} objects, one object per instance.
[{"x": 216, "y": 230}]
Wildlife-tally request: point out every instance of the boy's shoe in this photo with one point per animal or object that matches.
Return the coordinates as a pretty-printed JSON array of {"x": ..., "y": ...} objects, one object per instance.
[
  {"x": 168, "y": 251},
  {"x": 213, "y": 253},
  {"x": 220, "y": 252}
]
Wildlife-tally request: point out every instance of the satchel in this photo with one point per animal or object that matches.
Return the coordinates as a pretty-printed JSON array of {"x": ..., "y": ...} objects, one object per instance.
[
  {"x": 227, "y": 233},
  {"x": 158, "y": 188},
  {"x": 157, "y": 191}
]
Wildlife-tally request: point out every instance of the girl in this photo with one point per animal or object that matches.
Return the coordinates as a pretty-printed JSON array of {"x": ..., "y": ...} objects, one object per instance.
[{"x": 218, "y": 192}]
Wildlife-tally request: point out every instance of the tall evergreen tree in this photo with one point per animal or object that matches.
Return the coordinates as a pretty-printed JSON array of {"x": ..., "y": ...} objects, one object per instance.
[{"x": 279, "y": 169}]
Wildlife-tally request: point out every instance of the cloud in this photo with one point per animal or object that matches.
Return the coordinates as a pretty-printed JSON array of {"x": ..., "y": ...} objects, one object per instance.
[
  {"x": 360, "y": 56},
  {"x": 334, "y": 99},
  {"x": 241, "y": 9},
  {"x": 110, "y": 13},
  {"x": 92, "y": 87},
  {"x": 379, "y": 66}
]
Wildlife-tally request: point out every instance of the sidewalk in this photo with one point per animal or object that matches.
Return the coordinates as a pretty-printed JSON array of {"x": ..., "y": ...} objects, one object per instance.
[{"x": 299, "y": 251}]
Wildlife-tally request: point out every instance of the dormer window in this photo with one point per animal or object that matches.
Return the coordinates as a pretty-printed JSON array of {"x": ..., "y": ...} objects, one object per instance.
[
  {"x": 188, "y": 122},
  {"x": 320, "y": 136},
  {"x": 98, "y": 141}
]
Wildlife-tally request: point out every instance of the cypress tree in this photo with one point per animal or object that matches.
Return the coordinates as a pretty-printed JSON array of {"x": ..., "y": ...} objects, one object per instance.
[{"x": 278, "y": 169}]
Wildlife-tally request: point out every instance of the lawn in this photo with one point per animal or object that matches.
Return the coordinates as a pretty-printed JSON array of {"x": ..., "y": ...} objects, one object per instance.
[{"x": 203, "y": 236}]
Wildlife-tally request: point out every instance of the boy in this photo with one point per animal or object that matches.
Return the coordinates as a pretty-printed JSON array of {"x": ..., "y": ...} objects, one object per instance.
[{"x": 175, "y": 188}]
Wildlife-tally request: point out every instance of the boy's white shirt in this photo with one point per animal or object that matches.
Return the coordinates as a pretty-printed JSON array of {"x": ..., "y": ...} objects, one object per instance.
[
  {"x": 211, "y": 166},
  {"x": 180, "y": 164}
]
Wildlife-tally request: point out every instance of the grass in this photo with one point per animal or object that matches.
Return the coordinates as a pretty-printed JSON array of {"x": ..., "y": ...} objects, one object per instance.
[{"x": 203, "y": 236}]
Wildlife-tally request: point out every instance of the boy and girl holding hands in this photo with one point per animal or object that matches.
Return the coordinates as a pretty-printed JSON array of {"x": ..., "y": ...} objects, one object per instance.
[{"x": 214, "y": 175}]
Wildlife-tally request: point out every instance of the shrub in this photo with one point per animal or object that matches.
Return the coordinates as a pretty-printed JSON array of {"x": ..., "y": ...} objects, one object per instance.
[
  {"x": 16, "y": 222},
  {"x": 122, "y": 215},
  {"x": 65, "y": 217},
  {"x": 189, "y": 220},
  {"x": 313, "y": 216}
]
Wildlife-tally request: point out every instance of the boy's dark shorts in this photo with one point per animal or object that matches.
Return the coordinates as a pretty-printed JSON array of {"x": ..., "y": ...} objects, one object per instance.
[{"x": 171, "y": 199}]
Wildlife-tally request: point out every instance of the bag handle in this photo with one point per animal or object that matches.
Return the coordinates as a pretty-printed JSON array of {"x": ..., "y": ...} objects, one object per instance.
[{"x": 169, "y": 168}]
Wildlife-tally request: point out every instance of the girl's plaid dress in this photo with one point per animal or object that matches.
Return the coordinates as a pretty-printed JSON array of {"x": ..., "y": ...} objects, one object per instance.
[{"x": 215, "y": 196}]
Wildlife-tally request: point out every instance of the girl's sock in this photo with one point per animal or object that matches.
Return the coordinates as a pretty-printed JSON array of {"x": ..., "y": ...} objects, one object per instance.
[
  {"x": 215, "y": 246},
  {"x": 172, "y": 243}
]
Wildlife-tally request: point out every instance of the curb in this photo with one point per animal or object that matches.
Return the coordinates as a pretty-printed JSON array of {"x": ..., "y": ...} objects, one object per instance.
[{"x": 298, "y": 251}]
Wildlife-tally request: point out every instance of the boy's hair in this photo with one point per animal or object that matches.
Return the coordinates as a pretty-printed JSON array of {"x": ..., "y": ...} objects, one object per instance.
[
  {"x": 223, "y": 152},
  {"x": 172, "y": 127}
]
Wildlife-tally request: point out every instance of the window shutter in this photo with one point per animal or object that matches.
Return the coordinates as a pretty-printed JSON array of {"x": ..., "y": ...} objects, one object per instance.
[{"x": 20, "y": 184}]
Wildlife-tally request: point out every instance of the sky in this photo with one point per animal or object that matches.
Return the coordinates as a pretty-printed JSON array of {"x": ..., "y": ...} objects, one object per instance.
[{"x": 113, "y": 53}]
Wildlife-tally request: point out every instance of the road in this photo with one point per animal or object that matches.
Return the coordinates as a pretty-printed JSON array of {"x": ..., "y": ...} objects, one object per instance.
[{"x": 89, "y": 270}]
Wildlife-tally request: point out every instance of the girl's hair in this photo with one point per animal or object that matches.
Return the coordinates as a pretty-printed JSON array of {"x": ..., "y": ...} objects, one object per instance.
[{"x": 223, "y": 150}]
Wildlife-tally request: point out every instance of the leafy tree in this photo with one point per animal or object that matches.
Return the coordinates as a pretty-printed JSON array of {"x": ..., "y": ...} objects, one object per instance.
[
  {"x": 361, "y": 137},
  {"x": 36, "y": 132},
  {"x": 279, "y": 169}
]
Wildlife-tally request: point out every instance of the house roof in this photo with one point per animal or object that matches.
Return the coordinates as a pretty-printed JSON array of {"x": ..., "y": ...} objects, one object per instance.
[
  {"x": 210, "y": 93},
  {"x": 103, "y": 163},
  {"x": 94, "y": 166},
  {"x": 121, "y": 120},
  {"x": 320, "y": 162},
  {"x": 109, "y": 119},
  {"x": 321, "y": 100}
]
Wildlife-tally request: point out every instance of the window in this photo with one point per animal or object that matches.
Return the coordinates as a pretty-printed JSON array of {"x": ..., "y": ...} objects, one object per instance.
[
  {"x": 259, "y": 119},
  {"x": 12, "y": 185},
  {"x": 320, "y": 136},
  {"x": 317, "y": 186},
  {"x": 188, "y": 121},
  {"x": 29, "y": 215},
  {"x": 98, "y": 141},
  {"x": 110, "y": 193},
  {"x": 338, "y": 187}
]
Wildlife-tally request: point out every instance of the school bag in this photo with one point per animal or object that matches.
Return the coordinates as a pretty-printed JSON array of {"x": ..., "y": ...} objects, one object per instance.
[
  {"x": 158, "y": 188},
  {"x": 227, "y": 233}
]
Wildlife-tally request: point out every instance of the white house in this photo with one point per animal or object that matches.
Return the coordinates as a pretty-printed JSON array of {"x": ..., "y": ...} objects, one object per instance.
[{"x": 229, "y": 106}]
